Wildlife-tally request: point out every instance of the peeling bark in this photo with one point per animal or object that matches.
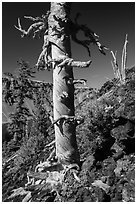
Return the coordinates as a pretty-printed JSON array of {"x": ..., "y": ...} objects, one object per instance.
[
  {"x": 65, "y": 135},
  {"x": 57, "y": 30}
]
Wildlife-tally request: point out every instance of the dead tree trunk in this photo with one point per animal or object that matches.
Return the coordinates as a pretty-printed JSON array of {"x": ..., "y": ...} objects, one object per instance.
[
  {"x": 63, "y": 89},
  {"x": 58, "y": 28}
]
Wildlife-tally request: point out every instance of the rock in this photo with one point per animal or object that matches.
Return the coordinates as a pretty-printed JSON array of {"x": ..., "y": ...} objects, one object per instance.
[
  {"x": 118, "y": 155},
  {"x": 88, "y": 164},
  {"x": 100, "y": 184},
  {"x": 119, "y": 168}
]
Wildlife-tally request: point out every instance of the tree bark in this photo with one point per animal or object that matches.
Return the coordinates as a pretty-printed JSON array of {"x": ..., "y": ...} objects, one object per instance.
[{"x": 63, "y": 92}]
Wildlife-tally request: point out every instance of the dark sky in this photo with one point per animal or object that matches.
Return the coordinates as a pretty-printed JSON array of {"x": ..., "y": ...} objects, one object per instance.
[{"x": 110, "y": 20}]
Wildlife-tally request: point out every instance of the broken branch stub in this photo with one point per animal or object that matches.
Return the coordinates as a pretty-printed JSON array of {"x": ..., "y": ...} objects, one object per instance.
[
  {"x": 115, "y": 66},
  {"x": 80, "y": 64},
  {"x": 120, "y": 73},
  {"x": 69, "y": 118},
  {"x": 124, "y": 59},
  {"x": 79, "y": 81},
  {"x": 66, "y": 61},
  {"x": 33, "y": 18}
]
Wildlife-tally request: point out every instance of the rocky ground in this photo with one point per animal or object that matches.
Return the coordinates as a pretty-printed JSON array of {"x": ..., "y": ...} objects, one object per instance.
[{"x": 106, "y": 143}]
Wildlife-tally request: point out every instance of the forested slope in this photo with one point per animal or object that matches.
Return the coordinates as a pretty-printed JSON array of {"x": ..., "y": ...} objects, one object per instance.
[{"x": 106, "y": 142}]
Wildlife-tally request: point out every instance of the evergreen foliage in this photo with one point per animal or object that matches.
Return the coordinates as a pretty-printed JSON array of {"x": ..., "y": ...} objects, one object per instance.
[{"x": 106, "y": 144}]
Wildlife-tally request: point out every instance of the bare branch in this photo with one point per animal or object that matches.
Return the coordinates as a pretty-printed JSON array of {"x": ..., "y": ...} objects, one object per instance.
[
  {"x": 41, "y": 62},
  {"x": 78, "y": 64},
  {"x": 44, "y": 60},
  {"x": 93, "y": 37},
  {"x": 50, "y": 144},
  {"x": 34, "y": 27},
  {"x": 124, "y": 58},
  {"x": 74, "y": 81},
  {"x": 20, "y": 29},
  {"x": 101, "y": 47},
  {"x": 51, "y": 119},
  {"x": 70, "y": 62},
  {"x": 33, "y": 18},
  {"x": 66, "y": 117},
  {"x": 63, "y": 117},
  {"x": 81, "y": 81},
  {"x": 76, "y": 177},
  {"x": 83, "y": 87},
  {"x": 52, "y": 155},
  {"x": 115, "y": 66},
  {"x": 114, "y": 69},
  {"x": 38, "y": 81}
]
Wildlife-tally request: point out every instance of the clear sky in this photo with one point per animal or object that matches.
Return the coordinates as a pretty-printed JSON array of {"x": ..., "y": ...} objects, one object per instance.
[{"x": 110, "y": 20}]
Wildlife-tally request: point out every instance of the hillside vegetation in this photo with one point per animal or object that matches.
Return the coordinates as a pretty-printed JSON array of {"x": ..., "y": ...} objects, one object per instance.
[{"x": 106, "y": 142}]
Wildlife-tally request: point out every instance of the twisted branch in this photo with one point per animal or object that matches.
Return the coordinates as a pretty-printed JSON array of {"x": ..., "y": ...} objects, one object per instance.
[
  {"x": 66, "y": 61},
  {"x": 115, "y": 65},
  {"x": 45, "y": 60},
  {"x": 93, "y": 37},
  {"x": 34, "y": 28}
]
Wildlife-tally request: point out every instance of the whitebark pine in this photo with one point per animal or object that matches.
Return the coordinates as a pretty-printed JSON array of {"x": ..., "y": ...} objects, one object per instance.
[
  {"x": 63, "y": 92},
  {"x": 56, "y": 54}
]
